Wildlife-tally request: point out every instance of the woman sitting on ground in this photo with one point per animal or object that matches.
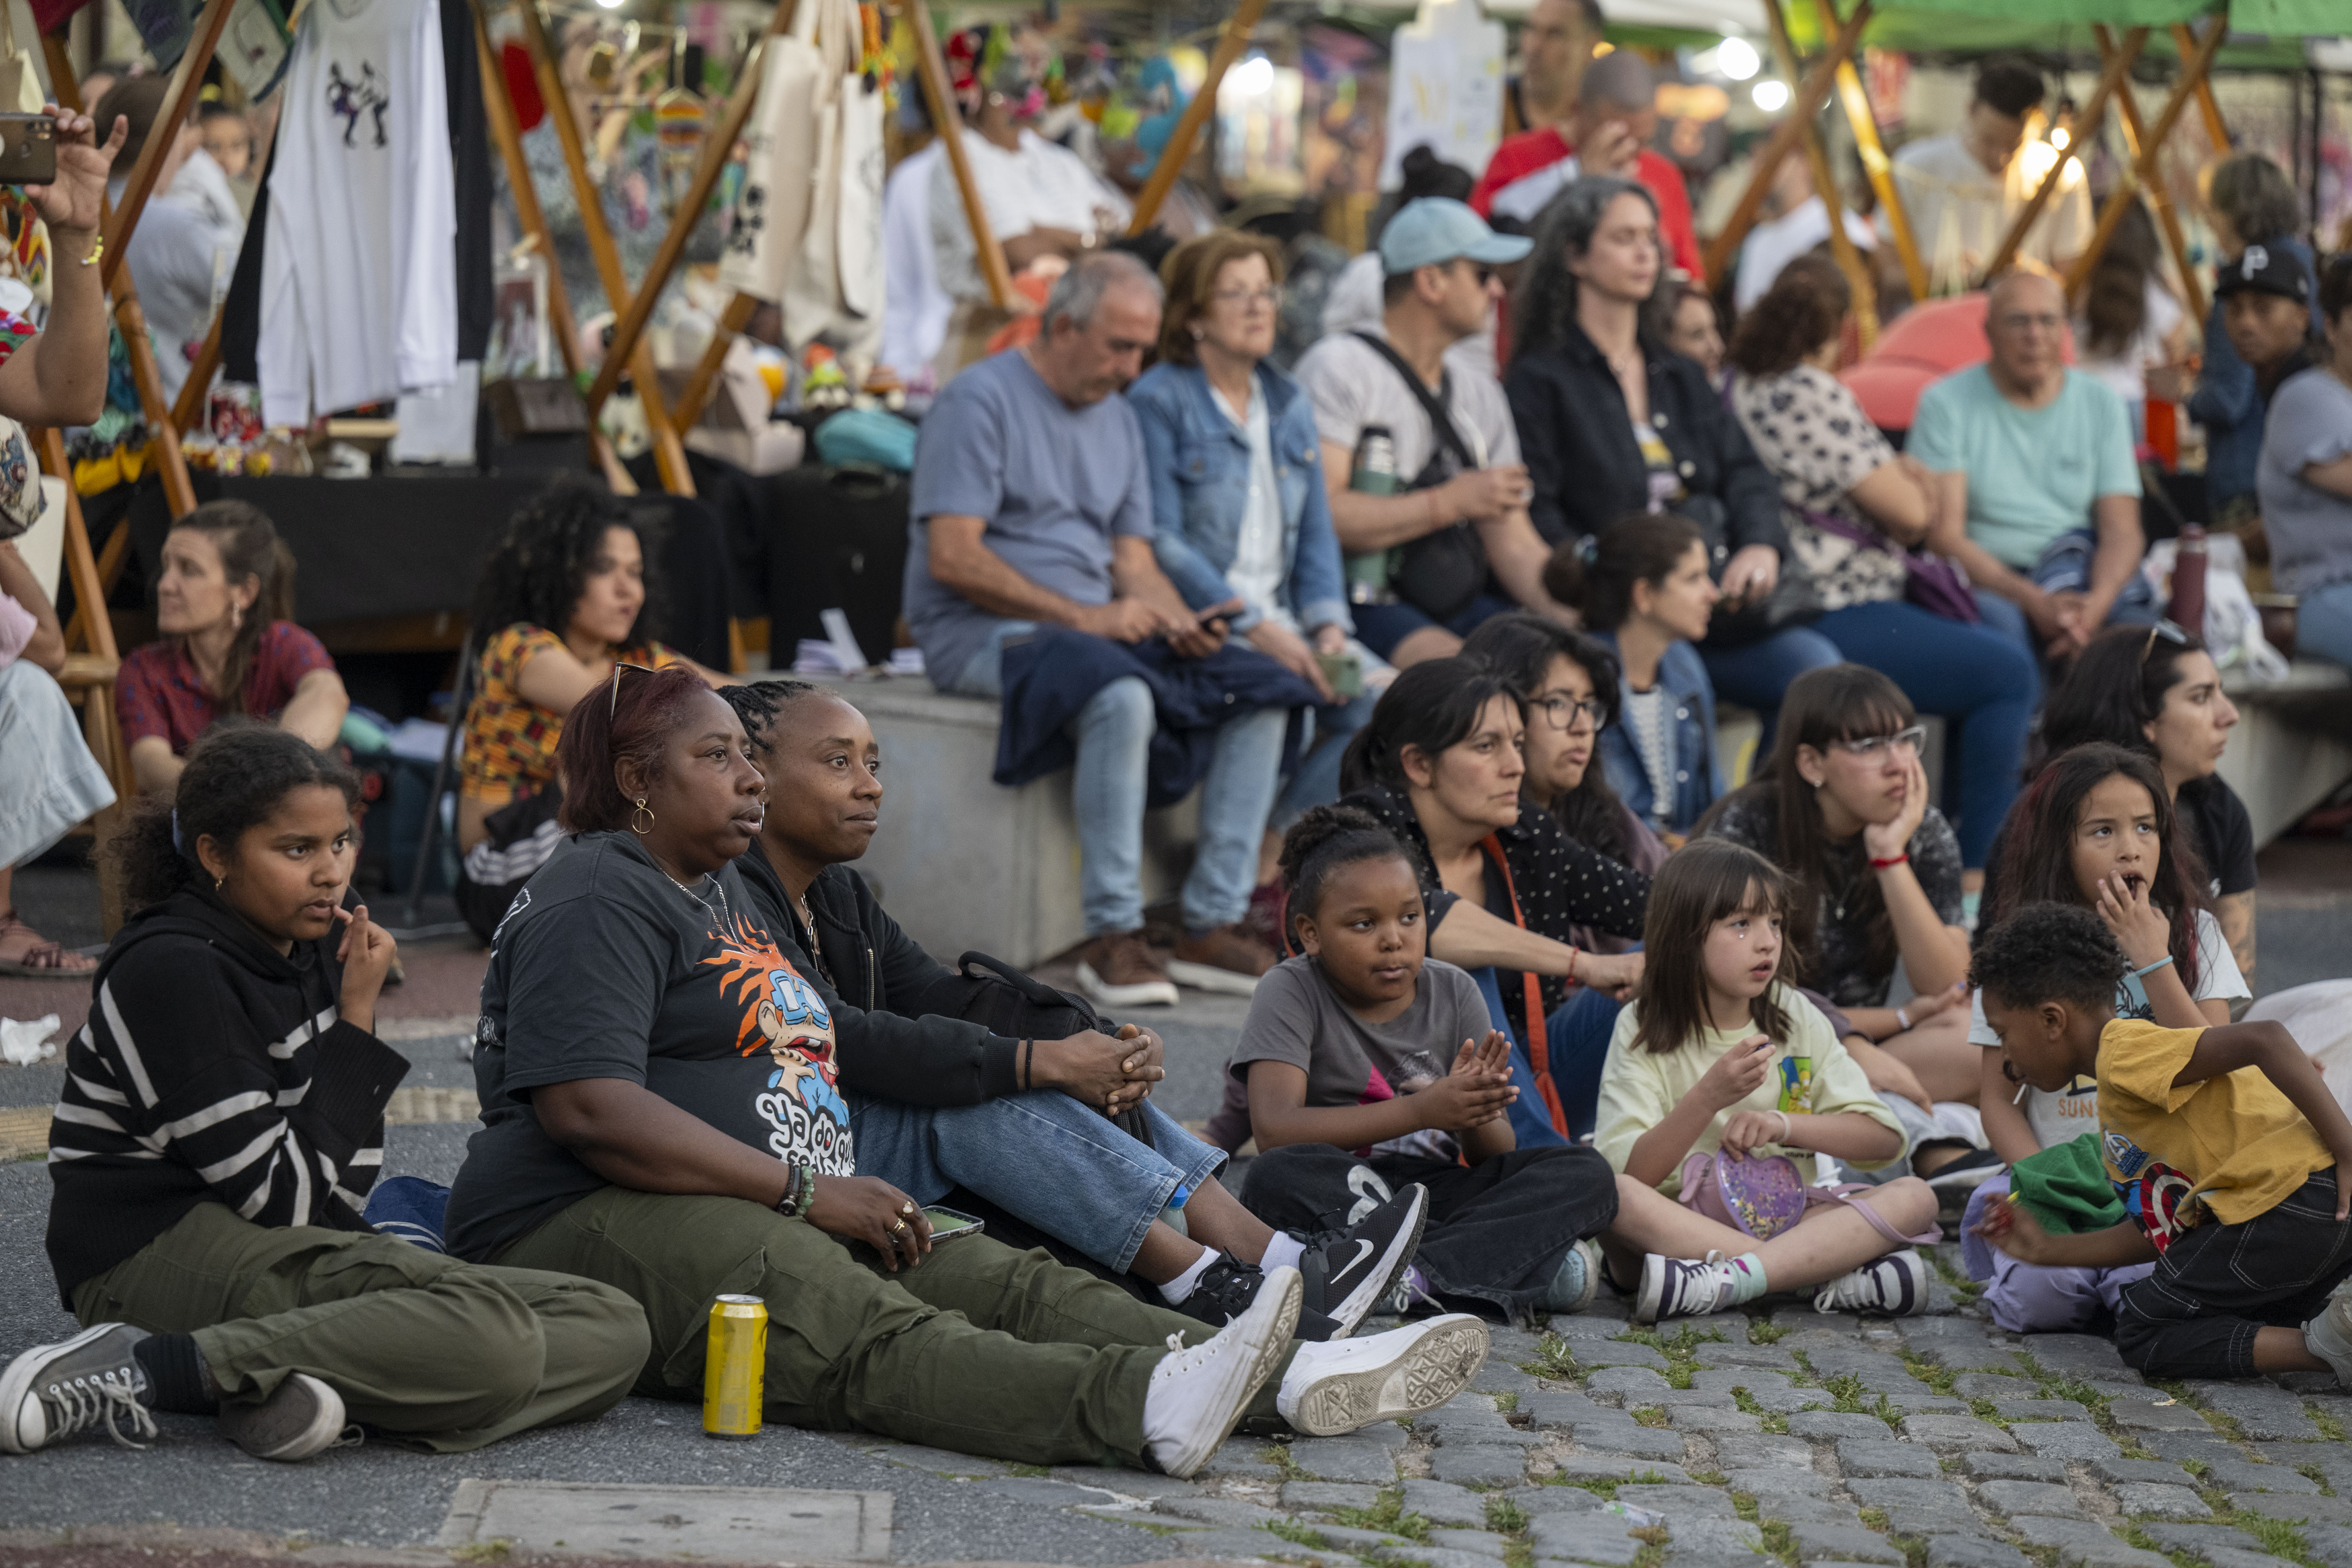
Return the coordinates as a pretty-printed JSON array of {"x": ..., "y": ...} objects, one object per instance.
[
  {"x": 2155, "y": 692},
  {"x": 47, "y": 776},
  {"x": 1852, "y": 507},
  {"x": 660, "y": 1096},
  {"x": 1363, "y": 1043},
  {"x": 224, "y": 602},
  {"x": 1642, "y": 588},
  {"x": 221, "y": 1124},
  {"x": 571, "y": 589},
  {"x": 1842, "y": 803},
  {"x": 1238, "y": 510},
  {"x": 937, "y": 1103}
]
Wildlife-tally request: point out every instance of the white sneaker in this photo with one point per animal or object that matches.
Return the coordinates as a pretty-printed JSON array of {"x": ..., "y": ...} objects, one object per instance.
[
  {"x": 1198, "y": 1395},
  {"x": 2329, "y": 1336},
  {"x": 1348, "y": 1384},
  {"x": 1119, "y": 970},
  {"x": 1896, "y": 1285},
  {"x": 1679, "y": 1287},
  {"x": 54, "y": 1392}
]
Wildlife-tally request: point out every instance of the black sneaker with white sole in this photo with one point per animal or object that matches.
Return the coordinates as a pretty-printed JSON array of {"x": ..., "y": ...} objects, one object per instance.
[
  {"x": 1955, "y": 1182},
  {"x": 1227, "y": 1289},
  {"x": 1347, "y": 1277},
  {"x": 301, "y": 1417},
  {"x": 92, "y": 1380}
]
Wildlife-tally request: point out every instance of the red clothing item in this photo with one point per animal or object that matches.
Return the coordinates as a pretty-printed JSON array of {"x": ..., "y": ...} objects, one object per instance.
[
  {"x": 158, "y": 692},
  {"x": 1532, "y": 152}
]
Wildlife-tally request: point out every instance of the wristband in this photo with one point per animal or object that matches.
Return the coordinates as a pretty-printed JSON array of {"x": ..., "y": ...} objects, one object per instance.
[
  {"x": 2152, "y": 968},
  {"x": 1784, "y": 1127},
  {"x": 1903, "y": 1022},
  {"x": 2134, "y": 989},
  {"x": 1571, "y": 966},
  {"x": 1878, "y": 865}
]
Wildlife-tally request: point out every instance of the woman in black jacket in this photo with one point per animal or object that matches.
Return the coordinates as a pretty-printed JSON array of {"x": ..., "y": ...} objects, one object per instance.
[
  {"x": 937, "y": 1103},
  {"x": 1612, "y": 421},
  {"x": 221, "y": 1124}
]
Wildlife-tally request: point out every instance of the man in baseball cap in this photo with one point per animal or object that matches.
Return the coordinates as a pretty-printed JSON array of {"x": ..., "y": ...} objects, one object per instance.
[
  {"x": 1439, "y": 261},
  {"x": 2266, "y": 298}
]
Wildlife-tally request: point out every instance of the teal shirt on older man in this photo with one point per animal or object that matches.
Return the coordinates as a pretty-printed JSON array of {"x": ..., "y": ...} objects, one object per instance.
[{"x": 2033, "y": 472}]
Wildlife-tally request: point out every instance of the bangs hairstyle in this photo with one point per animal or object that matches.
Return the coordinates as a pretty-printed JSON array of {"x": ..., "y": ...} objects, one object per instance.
[
  {"x": 541, "y": 563},
  {"x": 2037, "y": 861},
  {"x": 236, "y": 774},
  {"x": 606, "y": 728},
  {"x": 2116, "y": 687},
  {"x": 1701, "y": 883},
  {"x": 1430, "y": 707},
  {"x": 1190, "y": 277},
  {"x": 2049, "y": 952},
  {"x": 1323, "y": 840},
  {"x": 1520, "y": 647},
  {"x": 1836, "y": 702}
]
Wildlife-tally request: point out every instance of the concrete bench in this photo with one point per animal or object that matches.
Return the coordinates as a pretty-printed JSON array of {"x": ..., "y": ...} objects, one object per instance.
[{"x": 2293, "y": 745}]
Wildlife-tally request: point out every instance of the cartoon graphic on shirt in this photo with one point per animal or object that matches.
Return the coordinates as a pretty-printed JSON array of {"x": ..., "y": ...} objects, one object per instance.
[
  {"x": 2159, "y": 1199},
  {"x": 784, "y": 1014}
]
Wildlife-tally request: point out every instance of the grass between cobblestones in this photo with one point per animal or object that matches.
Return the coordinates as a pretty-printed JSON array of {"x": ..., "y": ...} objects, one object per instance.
[
  {"x": 1388, "y": 1514},
  {"x": 1605, "y": 1487}
]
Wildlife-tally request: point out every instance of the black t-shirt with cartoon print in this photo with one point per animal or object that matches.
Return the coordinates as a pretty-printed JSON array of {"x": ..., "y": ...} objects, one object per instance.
[{"x": 605, "y": 968}]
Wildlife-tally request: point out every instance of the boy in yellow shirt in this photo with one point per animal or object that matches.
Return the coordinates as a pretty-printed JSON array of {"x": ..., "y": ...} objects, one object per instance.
[{"x": 2222, "y": 1143}]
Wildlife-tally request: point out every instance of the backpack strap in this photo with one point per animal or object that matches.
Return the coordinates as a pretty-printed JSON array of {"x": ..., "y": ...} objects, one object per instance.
[
  {"x": 1539, "y": 1048},
  {"x": 1436, "y": 406}
]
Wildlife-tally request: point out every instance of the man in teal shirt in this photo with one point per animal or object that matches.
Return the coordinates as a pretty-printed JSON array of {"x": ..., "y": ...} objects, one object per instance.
[{"x": 2037, "y": 482}]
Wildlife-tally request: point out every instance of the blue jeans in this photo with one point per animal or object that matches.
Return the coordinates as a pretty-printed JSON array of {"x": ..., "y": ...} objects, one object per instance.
[
  {"x": 1316, "y": 782},
  {"x": 1381, "y": 626},
  {"x": 1978, "y": 679},
  {"x": 1113, "y": 735},
  {"x": 1754, "y": 675},
  {"x": 2322, "y": 624},
  {"x": 1530, "y": 1122},
  {"x": 1041, "y": 1157},
  {"x": 2065, "y": 567}
]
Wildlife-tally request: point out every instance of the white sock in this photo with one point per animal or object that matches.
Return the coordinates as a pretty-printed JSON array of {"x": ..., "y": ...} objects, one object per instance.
[
  {"x": 1176, "y": 1290},
  {"x": 1283, "y": 1252},
  {"x": 1747, "y": 1278}
]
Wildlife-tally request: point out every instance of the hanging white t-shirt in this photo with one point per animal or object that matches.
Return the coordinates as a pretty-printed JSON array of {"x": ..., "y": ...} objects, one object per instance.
[
  {"x": 358, "y": 282},
  {"x": 1258, "y": 569},
  {"x": 915, "y": 309},
  {"x": 2063, "y": 1117}
]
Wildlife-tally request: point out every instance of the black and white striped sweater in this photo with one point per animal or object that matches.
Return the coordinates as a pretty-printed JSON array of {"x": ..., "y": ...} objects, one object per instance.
[{"x": 212, "y": 1069}]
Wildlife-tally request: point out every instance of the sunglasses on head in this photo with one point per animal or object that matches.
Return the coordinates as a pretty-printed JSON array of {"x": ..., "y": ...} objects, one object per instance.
[
  {"x": 2168, "y": 632},
  {"x": 612, "y": 707}
]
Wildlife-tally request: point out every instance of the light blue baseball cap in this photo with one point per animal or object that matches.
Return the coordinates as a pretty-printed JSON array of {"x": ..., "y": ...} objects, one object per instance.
[{"x": 1432, "y": 230}]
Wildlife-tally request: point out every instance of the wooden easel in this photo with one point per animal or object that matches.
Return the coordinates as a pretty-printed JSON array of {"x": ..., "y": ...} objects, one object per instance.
[
  {"x": 1803, "y": 105},
  {"x": 1879, "y": 169},
  {"x": 2142, "y": 172},
  {"x": 1849, "y": 258},
  {"x": 1231, "y": 39}
]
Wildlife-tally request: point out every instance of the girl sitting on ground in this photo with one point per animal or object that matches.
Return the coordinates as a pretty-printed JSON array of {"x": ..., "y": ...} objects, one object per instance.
[
  {"x": 221, "y": 1124},
  {"x": 2096, "y": 830},
  {"x": 1365, "y": 1043},
  {"x": 1720, "y": 1053}
]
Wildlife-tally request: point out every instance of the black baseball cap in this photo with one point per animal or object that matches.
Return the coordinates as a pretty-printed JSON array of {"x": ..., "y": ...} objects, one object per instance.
[{"x": 2264, "y": 270}]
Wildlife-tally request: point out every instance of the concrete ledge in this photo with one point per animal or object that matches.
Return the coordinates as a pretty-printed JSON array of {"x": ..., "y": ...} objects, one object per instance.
[{"x": 2293, "y": 743}]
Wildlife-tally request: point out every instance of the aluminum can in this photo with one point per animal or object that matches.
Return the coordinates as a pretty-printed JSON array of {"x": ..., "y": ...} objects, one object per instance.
[{"x": 734, "y": 1367}]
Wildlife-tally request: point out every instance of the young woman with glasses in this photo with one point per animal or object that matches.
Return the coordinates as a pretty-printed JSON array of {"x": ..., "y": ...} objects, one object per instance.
[{"x": 1842, "y": 806}]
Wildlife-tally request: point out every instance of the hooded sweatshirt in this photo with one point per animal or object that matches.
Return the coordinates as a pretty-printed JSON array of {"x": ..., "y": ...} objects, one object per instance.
[{"x": 213, "y": 1069}]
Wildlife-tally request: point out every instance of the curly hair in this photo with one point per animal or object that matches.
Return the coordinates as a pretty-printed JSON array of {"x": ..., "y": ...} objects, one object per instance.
[
  {"x": 541, "y": 563},
  {"x": 236, "y": 774},
  {"x": 1321, "y": 841},
  {"x": 1802, "y": 310},
  {"x": 1543, "y": 311},
  {"x": 2049, "y": 952}
]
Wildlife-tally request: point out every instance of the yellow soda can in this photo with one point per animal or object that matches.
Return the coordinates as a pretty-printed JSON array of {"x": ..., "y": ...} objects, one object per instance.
[{"x": 733, "y": 1369}]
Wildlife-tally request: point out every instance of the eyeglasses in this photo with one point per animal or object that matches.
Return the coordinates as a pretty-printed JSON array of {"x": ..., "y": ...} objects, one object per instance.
[
  {"x": 613, "y": 705},
  {"x": 1560, "y": 710},
  {"x": 2168, "y": 632},
  {"x": 1868, "y": 747},
  {"x": 1270, "y": 296}
]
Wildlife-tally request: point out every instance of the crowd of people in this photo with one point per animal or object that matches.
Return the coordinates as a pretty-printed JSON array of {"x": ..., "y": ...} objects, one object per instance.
[{"x": 1437, "y": 624}]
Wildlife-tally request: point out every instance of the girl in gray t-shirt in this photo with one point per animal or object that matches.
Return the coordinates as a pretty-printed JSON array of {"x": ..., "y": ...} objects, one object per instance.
[{"x": 1371, "y": 1065}]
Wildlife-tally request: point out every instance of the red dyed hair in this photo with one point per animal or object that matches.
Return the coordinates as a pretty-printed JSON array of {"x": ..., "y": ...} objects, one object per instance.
[{"x": 635, "y": 721}]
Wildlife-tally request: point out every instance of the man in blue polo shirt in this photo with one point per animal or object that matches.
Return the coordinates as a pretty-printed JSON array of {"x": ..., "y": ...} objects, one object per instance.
[{"x": 2037, "y": 479}]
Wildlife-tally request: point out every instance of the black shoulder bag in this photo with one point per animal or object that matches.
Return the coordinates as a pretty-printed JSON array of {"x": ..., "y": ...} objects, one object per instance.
[{"x": 1438, "y": 573}]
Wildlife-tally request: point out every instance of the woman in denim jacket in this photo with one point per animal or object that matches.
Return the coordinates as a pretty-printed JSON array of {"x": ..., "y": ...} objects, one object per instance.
[
  {"x": 1240, "y": 518},
  {"x": 1645, "y": 592}
]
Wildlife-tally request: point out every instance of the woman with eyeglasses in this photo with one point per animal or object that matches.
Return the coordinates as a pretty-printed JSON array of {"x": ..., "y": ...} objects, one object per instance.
[
  {"x": 571, "y": 589},
  {"x": 2155, "y": 692},
  {"x": 1239, "y": 515},
  {"x": 1842, "y": 806},
  {"x": 1853, "y": 507}
]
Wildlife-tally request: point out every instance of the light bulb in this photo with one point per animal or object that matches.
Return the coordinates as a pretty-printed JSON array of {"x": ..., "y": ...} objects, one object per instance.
[
  {"x": 1771, "y": 96},
  {"x": 1737, "y": 58},
  {"x": 2059, "y": 138},
  {"x": 1254, "y": 76}
]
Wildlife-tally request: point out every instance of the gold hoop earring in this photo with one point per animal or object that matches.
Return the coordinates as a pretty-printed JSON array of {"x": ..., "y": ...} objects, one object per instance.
[
  {"x": 644, "y": 811},
  {"x": 218, "y": 883}
]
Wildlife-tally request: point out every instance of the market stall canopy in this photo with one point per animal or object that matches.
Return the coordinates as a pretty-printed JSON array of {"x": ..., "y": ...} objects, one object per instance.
[
  {"x": 2265, "y": 35},
  {"x": 1707, "y": 16}
]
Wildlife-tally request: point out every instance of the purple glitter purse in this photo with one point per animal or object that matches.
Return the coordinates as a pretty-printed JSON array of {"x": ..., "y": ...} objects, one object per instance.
[{"x": 1763, "y": 1194}]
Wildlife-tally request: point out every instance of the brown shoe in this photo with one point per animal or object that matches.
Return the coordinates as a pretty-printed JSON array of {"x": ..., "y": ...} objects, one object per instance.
[
  {"x": 1119, "y": 970},
  {"x": 1224, "y": 958}
]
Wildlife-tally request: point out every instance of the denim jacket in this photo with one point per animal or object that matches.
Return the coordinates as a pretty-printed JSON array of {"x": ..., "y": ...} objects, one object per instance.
[
  {"x": 1698, "y": 776},
  {"x": 1199, "y": 487}
]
